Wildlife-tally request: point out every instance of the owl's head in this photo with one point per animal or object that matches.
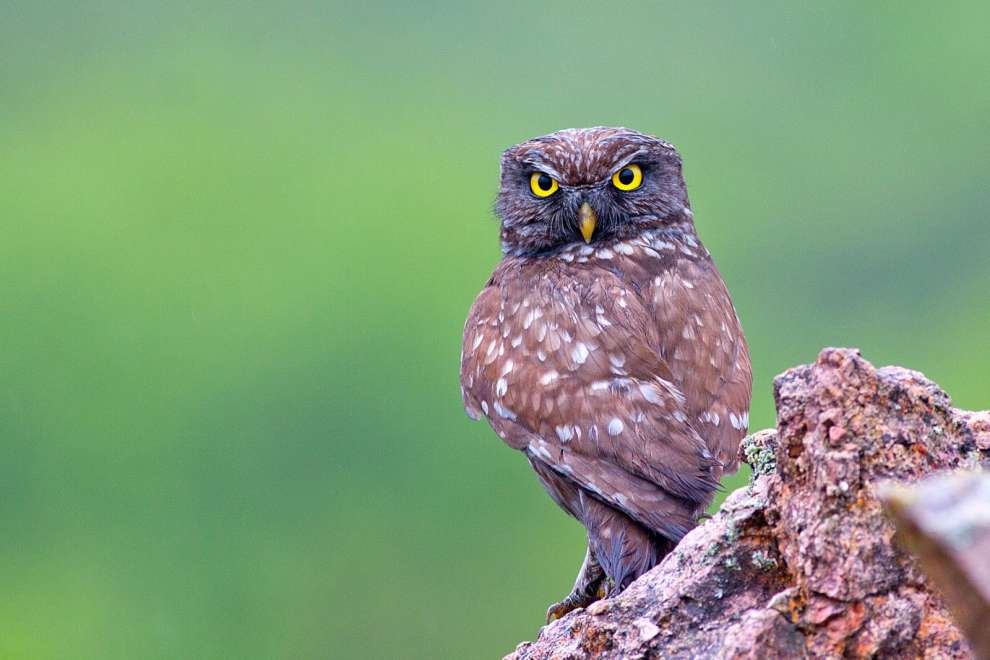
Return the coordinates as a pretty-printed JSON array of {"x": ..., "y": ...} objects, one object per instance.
[{"x": 594, "y": 185}]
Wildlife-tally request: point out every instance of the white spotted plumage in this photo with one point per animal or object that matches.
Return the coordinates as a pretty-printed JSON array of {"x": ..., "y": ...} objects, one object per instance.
[{"x": 616, "y": 363}]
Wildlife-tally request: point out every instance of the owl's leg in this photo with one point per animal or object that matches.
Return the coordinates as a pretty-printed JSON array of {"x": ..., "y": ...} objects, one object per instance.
[{"x": 588, "y": 587}]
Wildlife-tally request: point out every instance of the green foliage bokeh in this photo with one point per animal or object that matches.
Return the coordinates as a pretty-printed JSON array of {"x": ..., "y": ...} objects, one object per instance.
[{"x": 239, "y": 241}]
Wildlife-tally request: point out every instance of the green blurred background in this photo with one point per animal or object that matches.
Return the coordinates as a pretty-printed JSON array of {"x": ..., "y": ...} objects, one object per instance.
[{"x": 239, "y": 242}]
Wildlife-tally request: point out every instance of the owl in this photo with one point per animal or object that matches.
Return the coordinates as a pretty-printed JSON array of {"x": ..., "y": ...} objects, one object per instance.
[{"x": 606, "y": 348}]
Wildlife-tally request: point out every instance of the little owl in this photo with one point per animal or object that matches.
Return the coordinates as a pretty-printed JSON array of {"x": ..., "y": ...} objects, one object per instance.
[{"x": 606, "y": 348}]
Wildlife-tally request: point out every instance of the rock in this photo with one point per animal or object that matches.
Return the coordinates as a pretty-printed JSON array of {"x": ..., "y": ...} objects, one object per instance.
[{"x": 801, "y": 563}]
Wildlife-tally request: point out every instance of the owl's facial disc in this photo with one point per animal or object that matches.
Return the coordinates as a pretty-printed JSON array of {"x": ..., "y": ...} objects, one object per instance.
[
  {"x": 587, "y": 220},
  {"x": 593, "y": 185}
]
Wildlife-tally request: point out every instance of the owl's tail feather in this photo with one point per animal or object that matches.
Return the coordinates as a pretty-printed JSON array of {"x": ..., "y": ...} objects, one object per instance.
[{"x": 624, "y": 548}]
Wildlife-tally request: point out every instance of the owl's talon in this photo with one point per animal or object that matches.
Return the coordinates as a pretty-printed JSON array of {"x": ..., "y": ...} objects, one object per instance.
[{"x": 559, "y": 610}]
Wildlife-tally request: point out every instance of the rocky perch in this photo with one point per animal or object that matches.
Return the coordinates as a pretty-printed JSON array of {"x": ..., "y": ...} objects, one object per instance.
[{"x": 802, "y": 563}]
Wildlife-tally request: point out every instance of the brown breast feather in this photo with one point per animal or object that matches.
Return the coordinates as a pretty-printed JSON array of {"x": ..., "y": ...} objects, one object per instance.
[{"x": 612, "y": 372}]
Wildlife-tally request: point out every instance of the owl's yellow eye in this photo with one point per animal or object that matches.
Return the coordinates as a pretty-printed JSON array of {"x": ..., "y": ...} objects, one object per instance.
[
  {"x": 629, "y": 177},
  {"x": 542, "y": 184}
]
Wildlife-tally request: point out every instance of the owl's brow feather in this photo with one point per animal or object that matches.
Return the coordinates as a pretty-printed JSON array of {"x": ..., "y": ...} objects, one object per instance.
[
  {"x": 542, "y": 165},
  {"x": 639, "y": 153},
  {"x": 536, "y": 162}
]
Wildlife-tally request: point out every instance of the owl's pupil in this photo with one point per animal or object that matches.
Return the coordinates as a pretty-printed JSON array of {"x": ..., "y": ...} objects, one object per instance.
[
  {"x": 544, "y": 182},
  {"x": 626, "y": 176}
]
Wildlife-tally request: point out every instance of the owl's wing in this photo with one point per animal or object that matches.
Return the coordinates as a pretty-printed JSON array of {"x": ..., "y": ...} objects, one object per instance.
[
  {"x": 569, "y": 372},
  {"x": 702, "y": 342}
]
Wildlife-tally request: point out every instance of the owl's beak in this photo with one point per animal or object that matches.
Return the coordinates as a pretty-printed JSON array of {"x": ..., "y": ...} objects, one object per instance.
[{"x": 587, "y": 219}]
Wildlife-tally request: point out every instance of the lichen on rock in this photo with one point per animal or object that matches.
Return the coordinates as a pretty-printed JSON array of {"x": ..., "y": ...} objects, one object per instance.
[{"x": 759, "y": 452}]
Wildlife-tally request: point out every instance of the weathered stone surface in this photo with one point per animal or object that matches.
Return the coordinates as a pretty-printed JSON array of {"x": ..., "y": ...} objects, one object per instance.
[{"x": 801, "y": 563}]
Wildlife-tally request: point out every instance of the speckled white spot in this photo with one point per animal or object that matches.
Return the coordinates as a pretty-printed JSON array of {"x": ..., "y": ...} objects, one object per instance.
[
  {"x": 507, "y": 367},
  {"x": 579, "y": 352},
  {"x": 604, "y": 253},
  {"x": 680, "y": 416},
  {"x": 672, "y": 390},
  {"x": 548, "y": 377},
  {"x": 624, "y": 248},
  {"x": 565, "y": 432},
  {"x": 540, "y": 449},
  {"x": 687, "y": 332},
  {"x": 501, "y": 387},
  {"x": 649, "y": 393},
  {"x": 615, "y": 426},
  {"x": 503, "y": 411},
  {"x": 484, "y": 407},
  {"x": 476, "y": 342},
  {"x": 516, "y": 340}
]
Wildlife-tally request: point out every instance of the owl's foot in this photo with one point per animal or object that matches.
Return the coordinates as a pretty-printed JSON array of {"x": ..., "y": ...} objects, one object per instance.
[
  {"x": 569, "y": 604},
  {"x": 576, "y": 600}
]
